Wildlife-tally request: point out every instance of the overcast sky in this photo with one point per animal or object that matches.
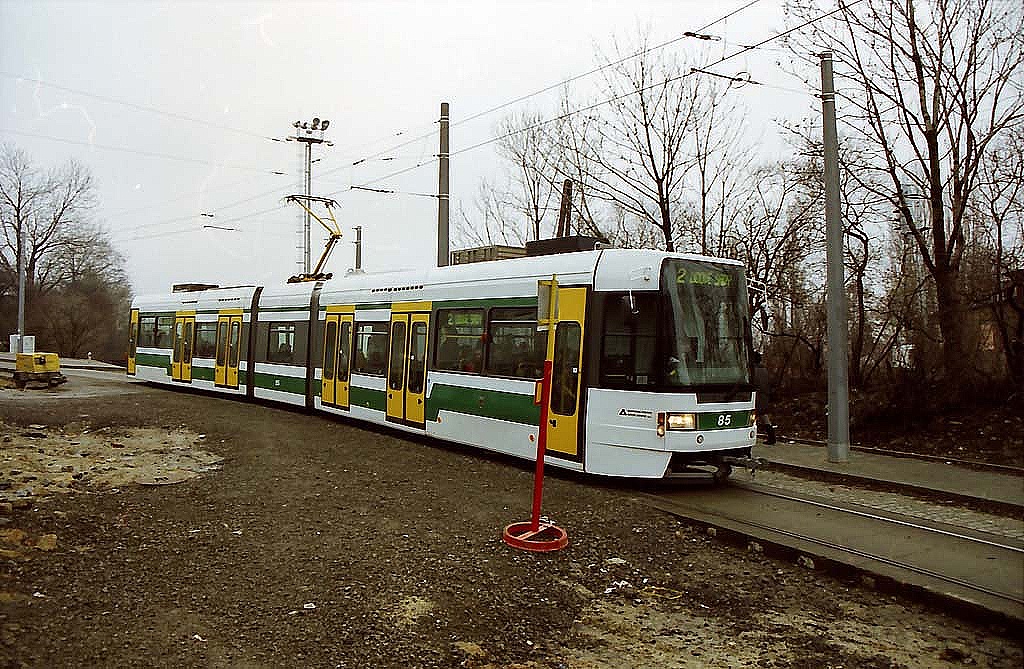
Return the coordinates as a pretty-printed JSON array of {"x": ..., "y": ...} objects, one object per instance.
[{"x": 173, "y": 106}]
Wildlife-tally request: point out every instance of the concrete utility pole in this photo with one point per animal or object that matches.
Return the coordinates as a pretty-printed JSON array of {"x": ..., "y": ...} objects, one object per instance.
[
  {"x": 565, "y": 210},
  {"x": 442, "y": 191},
  {"x": 838, "y": 344},
  {"x": 310, "y": 135},
  {"x": 359, "y": 247},
  {"x": 21, "y": 287}
]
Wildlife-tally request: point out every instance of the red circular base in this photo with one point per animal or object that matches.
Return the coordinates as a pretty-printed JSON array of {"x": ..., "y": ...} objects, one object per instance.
[{"x": 546, "y": 537}]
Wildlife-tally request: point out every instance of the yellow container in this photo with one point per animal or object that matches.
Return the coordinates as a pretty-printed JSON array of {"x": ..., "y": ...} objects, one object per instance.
[{"x": 37, "y": 363}]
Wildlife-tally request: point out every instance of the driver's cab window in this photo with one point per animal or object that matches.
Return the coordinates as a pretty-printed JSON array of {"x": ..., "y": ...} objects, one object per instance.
[{"x": 629, "y": 340}]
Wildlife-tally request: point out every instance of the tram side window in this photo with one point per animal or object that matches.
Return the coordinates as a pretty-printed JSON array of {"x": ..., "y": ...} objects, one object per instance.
[
  {"x": 344, "y": 346},
  {"x": 371, "y": 348},
  {"x": 164, "y": 326},
  {"x": 460, "y": 340},
  {"x": 629, "y": 341},
  {"x": 281, "y": 343},
  {"x": 206, "y": 340},
  {"x": 565, "y": 373},
  {"x": 516, "y": 348},
  {"x": 147, "y": 331}
]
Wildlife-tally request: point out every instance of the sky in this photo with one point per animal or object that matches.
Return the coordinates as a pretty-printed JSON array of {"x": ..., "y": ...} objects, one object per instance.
[{"x": 180, "y": 110}]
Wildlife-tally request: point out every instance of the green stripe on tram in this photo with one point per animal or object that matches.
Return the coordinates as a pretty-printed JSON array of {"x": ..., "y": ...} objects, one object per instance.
[
  {"x": 203, "y": 373},
  {"x": 154, "y": 360},
  {"x": 367, "y": 397},
  {"x": 495, "y": 404},
  {"x": 284, "y": 384}
]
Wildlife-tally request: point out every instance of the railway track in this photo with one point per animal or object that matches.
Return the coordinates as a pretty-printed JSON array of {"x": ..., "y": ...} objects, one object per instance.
[{"x": 979, "y": 570}]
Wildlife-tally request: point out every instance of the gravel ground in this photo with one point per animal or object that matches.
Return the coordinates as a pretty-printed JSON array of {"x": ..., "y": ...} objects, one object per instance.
[{"x": 318, "y": 543}]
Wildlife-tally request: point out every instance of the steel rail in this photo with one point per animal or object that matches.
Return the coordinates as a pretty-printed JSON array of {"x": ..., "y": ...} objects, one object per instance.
[{"x": 860, "y": 553}]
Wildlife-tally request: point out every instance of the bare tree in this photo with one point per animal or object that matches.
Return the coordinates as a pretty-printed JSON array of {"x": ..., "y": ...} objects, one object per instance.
[
  {"x": 44, "y": 207},
  {"x": 773, "y": 238},
  {"x": 723, "y": 164},
  {"x": 936, "y": 83},
  {"x": 999, "y": 204},
  {"x": 639, "y": 147},
  {"x": 76, "y": 289},
  {"x": 527, "y": 146}
]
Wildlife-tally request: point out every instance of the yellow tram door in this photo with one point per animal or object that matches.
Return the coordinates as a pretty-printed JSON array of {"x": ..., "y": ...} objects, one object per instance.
[
  {"x": 220, "y": 363},
  {"x": 407, "y": 362},
  {"x": 133, "y": 339},
  {"x": 234, "y": 351},
  {"x": 184, "y": 335},
  {"x": 416, "y": 375},
  {"x": 334, "y": 382},
  {"x": 229, "y": 337},
  {"x": 343, "y": 360},
  {"x": 566, "y": 359},
  {"x": 327, "y": 377}
]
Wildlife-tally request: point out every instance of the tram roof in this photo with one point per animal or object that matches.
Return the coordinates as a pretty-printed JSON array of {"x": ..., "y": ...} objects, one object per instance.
[{"x": 604, "y": 269}]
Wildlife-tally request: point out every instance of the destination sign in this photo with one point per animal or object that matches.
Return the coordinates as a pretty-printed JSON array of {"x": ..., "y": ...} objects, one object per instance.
[{"x": 703, "y": 277}]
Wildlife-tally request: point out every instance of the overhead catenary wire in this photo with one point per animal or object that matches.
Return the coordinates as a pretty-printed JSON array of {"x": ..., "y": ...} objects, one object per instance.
[
  {"x": 395, "y": 192},
  {"x": 595, "y": 105},
  {"x": 215, "y": 209},
  {"x": 698, "y": 33},
  {"x": 224, "y": 222},
  {"x": 140, "y": 152},
  {"x": 689, "y": 34},
  {"x": 176, "y": 198},
  {"x": 140, "y": 107}
]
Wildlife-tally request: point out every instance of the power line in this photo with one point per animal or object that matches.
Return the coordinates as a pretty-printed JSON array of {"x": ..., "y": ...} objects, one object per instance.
[
  {"x": 150, "y": 154},
  {"x": 133, "y": 105},
  {"x": 694, "y": 34},
  {"x": 690, "y": 34},
  {"x": 170, "y": 233},
  {"x": 153, "y": 205},
  {"x": 581, "y": 110},
  {"x": 394, "y": 192},
  {"x": 218, "y": 208},
  {"x": 698, "y": 34}
]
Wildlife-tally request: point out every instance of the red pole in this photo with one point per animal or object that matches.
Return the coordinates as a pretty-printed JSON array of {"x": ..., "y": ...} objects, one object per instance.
[{"x": 542, "y": 442}]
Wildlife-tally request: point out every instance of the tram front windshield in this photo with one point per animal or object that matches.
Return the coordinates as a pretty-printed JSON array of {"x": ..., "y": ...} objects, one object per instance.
[
  {"x": 692, "y": 333},
  {"x": 707, "y": 312}
]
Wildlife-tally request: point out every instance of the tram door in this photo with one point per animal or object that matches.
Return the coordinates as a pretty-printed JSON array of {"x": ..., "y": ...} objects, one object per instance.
[
  {"x": 184, "y": 335},
  {"x": 229, "y": 339},
  {"x": 334, "y": 386},
  {"x": 564, "y": 406},
  {"x": 133, "y": 339},
  {"x": 407, "y": 363}
]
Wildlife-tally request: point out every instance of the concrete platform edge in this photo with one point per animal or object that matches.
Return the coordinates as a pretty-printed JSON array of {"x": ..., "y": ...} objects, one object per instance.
[
  {"x": 1008, "y": 507},
  {"x": 851, "y": 567}
]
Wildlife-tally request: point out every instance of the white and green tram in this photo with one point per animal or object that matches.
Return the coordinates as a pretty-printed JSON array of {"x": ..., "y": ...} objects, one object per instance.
[{"x": 651, "y": 373}]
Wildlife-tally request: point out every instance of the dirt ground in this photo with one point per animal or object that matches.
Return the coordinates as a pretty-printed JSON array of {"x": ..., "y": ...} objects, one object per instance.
[{"x": 226, "y": 534}]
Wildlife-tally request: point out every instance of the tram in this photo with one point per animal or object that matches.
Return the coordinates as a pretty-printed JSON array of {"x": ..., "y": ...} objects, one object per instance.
[{"x": 650, "y": 366}]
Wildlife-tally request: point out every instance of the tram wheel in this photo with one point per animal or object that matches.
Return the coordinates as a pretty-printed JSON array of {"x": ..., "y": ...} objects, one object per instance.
[{"x": 722, "y": 473}]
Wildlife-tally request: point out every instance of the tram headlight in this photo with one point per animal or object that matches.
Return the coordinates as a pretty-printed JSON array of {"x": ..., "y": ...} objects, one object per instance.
[{"x": 681, "y": 421}]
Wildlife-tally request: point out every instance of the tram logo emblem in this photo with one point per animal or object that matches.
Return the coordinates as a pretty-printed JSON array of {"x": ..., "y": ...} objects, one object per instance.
[{"x": 636, "y": 413}]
